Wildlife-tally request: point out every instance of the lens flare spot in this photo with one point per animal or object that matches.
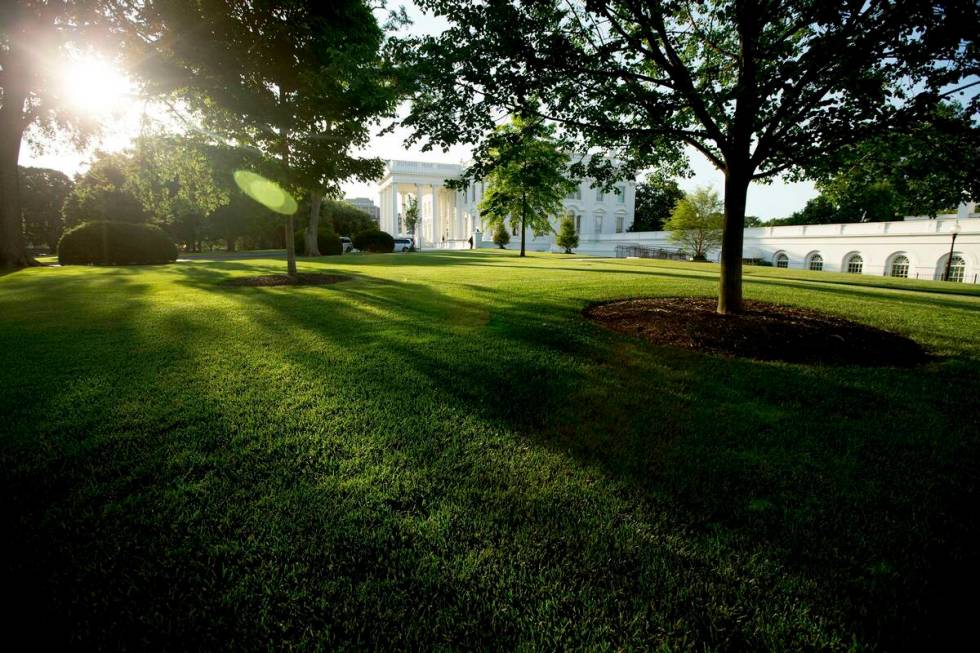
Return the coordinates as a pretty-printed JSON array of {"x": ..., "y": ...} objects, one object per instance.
[{"x": 266, "y": 192}]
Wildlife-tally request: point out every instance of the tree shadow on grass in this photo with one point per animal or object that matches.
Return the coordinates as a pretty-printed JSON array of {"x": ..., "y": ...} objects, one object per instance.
[
  {"x": 761, "y": 464},
  {"x": 379, "y": 463}
]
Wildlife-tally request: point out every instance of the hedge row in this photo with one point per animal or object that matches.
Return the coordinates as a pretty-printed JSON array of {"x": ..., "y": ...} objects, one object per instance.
[{"x": 374, "y": 241}]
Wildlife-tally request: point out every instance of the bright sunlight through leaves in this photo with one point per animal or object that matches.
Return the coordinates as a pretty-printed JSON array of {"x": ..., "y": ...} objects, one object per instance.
[{"x": 95, "y": 86}]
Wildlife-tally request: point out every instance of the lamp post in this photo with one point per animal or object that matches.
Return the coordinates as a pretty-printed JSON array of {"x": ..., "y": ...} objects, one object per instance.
[{"x": 952, "y": 244}]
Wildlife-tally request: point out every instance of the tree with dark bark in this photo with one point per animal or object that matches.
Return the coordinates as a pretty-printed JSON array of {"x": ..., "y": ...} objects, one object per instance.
[
  {"x": 298, "y": 83},
  {"x": 759, "y": 87},
  {"x": 35, "y": 38}
]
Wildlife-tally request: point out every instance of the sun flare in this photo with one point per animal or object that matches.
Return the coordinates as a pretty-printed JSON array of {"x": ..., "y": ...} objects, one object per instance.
[{"x": 95, "y": 86}]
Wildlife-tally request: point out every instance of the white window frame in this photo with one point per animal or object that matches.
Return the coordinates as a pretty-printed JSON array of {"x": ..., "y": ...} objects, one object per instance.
[
  {"x": 957, "y": 271},
  {"x": 896, "y": 265}
]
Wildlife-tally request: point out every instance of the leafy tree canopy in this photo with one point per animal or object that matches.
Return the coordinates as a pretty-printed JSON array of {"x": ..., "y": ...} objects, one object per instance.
[
  {"x": 106, "y": 192},
  {"x": 526, "y": 177},
  {"x": 655, "y": 201},
  {"x": 298, "y": 83},
  {"x": 36, "y": 41},
  {"x": 43, "y": 194},
  {"x": 760, "y": 87}
]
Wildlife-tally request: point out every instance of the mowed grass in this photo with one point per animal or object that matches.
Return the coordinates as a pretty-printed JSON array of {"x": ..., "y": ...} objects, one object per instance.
[{"x": 441, "y": 453}]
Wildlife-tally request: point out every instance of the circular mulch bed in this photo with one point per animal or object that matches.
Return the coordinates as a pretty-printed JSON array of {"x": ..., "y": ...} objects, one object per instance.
[
  {"x": 286, "y": 280},
  {"x": 763, "y": 332}
]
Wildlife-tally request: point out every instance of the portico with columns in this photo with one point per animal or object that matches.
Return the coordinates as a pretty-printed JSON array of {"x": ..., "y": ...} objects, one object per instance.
[{"x": 443, "y": 222}]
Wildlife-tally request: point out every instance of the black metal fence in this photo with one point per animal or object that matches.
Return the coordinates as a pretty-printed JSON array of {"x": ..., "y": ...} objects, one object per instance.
[{"x": 639, "y": 251}]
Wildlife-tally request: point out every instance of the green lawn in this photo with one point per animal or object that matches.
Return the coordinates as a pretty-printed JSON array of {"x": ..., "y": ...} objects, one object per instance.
[{"x": 442, "y": 453}]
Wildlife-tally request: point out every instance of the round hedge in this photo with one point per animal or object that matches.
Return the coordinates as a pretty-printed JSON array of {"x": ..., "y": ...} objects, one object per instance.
[
  {"x": 374, "y": 241},
  {"x": 115, "y": 243},
  {"x": 327, "y": 241}
]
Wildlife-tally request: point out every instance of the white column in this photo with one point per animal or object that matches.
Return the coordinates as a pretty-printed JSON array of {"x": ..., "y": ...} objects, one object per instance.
[
  {"x": 394, "y": 209},
  {"x": 457, "y": 229},
  {"x": 436, "y": 223}
]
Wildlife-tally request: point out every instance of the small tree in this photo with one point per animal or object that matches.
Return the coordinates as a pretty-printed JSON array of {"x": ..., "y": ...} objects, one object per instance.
[
  {"x": 501, "y": 235},
  {"x": 412, "y": 218},
  {"x": 697, "y": 223},
  {"x": 567, "y": 238},
  {"x": 525, "y": 176}
]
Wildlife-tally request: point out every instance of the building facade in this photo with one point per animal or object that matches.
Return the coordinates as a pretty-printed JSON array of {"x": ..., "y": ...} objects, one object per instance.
[
  {"x": 449, "y": 218},
  {"x": 915, "y": 248}
]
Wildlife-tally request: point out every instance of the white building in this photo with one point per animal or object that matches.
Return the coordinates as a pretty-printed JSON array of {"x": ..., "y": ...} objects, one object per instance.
[
  {"x": 449, "y": 218},
  {"x": 916, "y": 248}
]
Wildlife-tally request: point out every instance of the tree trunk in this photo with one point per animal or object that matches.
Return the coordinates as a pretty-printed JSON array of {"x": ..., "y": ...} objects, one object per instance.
[
  {"x": 736, "y": 190},
  {"x": 13, "y": 252},
  {"x": 230, "y": 243},
  {"x": 290, "y": 247},
  {"x": 312, "y": 246},
  {"x": 523, "y": 219}
]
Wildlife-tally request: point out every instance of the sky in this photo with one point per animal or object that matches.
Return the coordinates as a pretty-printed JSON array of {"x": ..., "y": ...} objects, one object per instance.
[{"x": 112, "y": 96}]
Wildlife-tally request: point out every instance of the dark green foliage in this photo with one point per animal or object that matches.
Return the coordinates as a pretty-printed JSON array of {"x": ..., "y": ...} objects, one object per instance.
[
  {"x": 655, "y": 201},
  {"x": 115, "y": 243},
  {"x": 501, "y": 236},
  {"x": 327, "y": 241},
  {"x": 758, "y": 87},
  {"x": 347, "y": 219},
  {"x": 526, "y": 177},
  {"x": 302, "y": 83},
  {"x": 567, "y": 237},
  {"x": 922, "y": 169},
  {"x": 374, "y": 241},
  {"x": 42, "y": 195},
  {"x": 105, "y": 193}
]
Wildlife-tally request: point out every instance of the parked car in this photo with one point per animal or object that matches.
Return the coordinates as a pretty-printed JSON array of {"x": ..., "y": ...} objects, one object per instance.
[
  {"x": 404, "y": 245},
  {"x": 346, "y": 246}
]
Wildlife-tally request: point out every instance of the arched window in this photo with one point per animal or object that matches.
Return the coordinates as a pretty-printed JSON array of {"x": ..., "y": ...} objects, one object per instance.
[
  {"x": 855, "y": 264},
  {"x": 782, "y": 261},
  {"x": 957, "y": 269},
  {"x": 816, "y": 262},
  {"x": 900, "y": 266}
]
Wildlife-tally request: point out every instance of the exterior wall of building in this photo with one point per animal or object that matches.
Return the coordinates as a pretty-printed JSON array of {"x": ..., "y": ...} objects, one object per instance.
[
  {"x": 876, "y": 246},
  {"x": 449, "y": 218}
]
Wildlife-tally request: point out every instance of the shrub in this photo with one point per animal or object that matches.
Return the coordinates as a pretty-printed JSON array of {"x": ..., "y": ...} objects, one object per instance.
[
  {"x": 501, "y": 236},
  {"x": 567, "y": 238},
  {"x": 115, "y": 243},
  {"x": 327, "y": 241},
  {"x": 374, "y": 241}
]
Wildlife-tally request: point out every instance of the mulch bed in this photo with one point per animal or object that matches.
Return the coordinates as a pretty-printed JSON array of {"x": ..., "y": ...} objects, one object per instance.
[
  {"x": 764, "y": 332},
  {"x": 286, "y": 280}
]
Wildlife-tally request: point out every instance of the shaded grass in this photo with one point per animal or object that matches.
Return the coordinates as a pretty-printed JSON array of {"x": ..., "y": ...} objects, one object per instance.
[{"x": 442, "y": 453}]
